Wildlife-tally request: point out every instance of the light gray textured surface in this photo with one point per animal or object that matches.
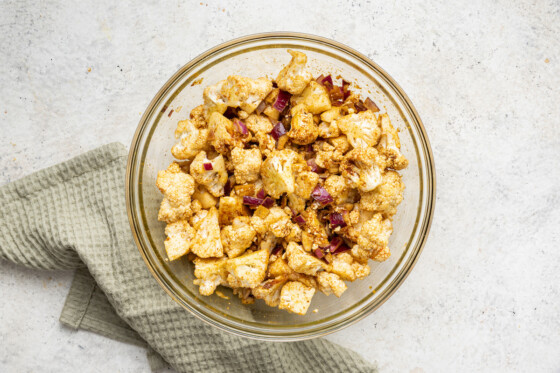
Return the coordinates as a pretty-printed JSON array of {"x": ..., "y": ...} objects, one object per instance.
[{"x": 485, "y": 78}]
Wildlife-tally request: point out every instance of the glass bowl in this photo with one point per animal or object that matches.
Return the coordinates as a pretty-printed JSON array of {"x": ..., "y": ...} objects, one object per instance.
[{"x": 264, "y": 55}]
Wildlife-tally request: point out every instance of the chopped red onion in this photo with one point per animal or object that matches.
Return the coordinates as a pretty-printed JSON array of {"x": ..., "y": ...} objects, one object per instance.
[
  {"x": 312, "y": 165},
  {"x": 252, "y": 201},
  {"x": 325, "y": 81},
  {"x": 240, "y": 127},
  {"x": 227, "y": 188},
  {"x": 371, "y": 105},
  {"x": 281, "y": 100},
  {"x": 345, "y": 90},
  {"x": 321, "y": 195},
  {"x": 320, "y": 79},
  {"x": 360, "y": 106},
  {"x": 208, "y": 166},
  {"x": 337, "y": 220},
  {"x": 319, "y": 253},
  {"x": 278, "y": 131},
  {"x": 337, "y": 103},
  {"x": 336, "y": 93},
  {"x": 276, "y": 250},
  {"x": 261, "y": 194},
  {"x": 268, "y": 202},
  {"x": 261, "y": 107},
  {"x": 300, "y": 220},
  {"x": 341, "y": 249},
  {"x": 335, "y": 244}
]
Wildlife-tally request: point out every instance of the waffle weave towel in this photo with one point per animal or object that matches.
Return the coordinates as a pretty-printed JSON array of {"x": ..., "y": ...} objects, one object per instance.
[{"x": 73, "y": 215}]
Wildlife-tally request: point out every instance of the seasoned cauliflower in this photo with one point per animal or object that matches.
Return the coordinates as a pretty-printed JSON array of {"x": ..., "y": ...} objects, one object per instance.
[
  {"x": 390, "y": 145},
  {"x": 277, "y": 172},
  {"x": 269, "y": 290},
  {"x": 362, "y": 129},
  {"x": 386, "y": 197},
  {"x": 293, "y": 77},
  {"x": 221, "y": 130},
  {"x": 303, "y": 262},
  {"x": 247, "y": 270},
  {"x": 191, "y": 140},
  {"x": 278, "y": 222},
  {"x": 362, "y": 168},
  {"x": 207, "y": 242},
  {"x": 347, "y": 269},
  {"x": 209, "y": 274},
  {"x": 247, "y": 164},
  {"x": 296, "y": 297},
  {"x": 177, "y": 188},
  {"x": 305, "y": 183},
  {"x": 204, "y": 197},
  {"x": 328, "y": 130},
  {"x": 331, "y": 115},
  {"x": 215, "y": 178},
  {"x": 338, "y": 189},
  {"x": 327, "y": 156},
  {"x": 304, "y": 130},
  {"x": 315, "y": 98},
  {"x": 238, "y": 236},
  {"x": 258, "y": 124},
  {"x": 197, "y": 117},
  {"x": 373, "y": 237},
  {"x": 314, "y": 227},
  {"x": 179, "y": 239},
  {"x": 330, "y": 283},
  {"x": 236, "y": 91}
]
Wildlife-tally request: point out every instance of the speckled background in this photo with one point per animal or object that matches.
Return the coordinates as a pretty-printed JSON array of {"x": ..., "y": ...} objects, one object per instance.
[{"x": 485, "y": 78}]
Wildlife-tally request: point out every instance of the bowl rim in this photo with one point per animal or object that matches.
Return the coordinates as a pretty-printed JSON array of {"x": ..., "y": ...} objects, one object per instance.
[{"x": 430, "y": 199}]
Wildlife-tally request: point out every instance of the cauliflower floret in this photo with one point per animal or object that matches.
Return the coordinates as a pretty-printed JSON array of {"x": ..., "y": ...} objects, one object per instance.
[
  {"x": 390, "y": 145},
  {"x": 344, "y": 266},
  {"x": 247, "y": 164},
  {"x": 362, "y": 168},
  {"x": 238, "y": 236},
  {"x": 327, "y": 156},
  {"x": 258, "y": 124},
  {"x": 230, "y": 208},
  {"x": 293, "y": 77},
  {"x": 215, "y": 179},
  {"x": 236, "y": 91},
  {"x": 373, "y": 237},
  {"x": 204, "y": 197},
  {"x": 277, "y": 173},
  {"x": 221, "y": 130},
  {"x": 179, "y": 239},
  {"x": 269, "y": 291},
  {"x": 207, "y": 242},
  {"x": 304, "y": 130},
  {"x": 177, "y": 188},
  {"x": 296, "y": 297},
  {"x": 247, "y": 270},
  {"x": 338, "y": 189},
  {"x": 328, "y": 130},
  {"x": 303, "y": 262},
  {"x": 191, "y": 140},
  {"x": 278, "y": 222},
  {"x": 386, "y": 197},
  {"x": 314, "y": 227},
  {"x": 330, "y": 283},
  {"x": 197, "y": 117},
  {"x": 362, "y": 129},
  {"x": 330, "y": 115},
  {"x": 315, "y": 98},
  {"x": 305, "y": 183},
  {"x": 340, "y": 143},
  {"x": 209, "y": 274}
]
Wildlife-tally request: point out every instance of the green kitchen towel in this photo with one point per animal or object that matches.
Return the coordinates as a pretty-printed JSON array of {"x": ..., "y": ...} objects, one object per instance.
[{"x": 73, "y": 215}]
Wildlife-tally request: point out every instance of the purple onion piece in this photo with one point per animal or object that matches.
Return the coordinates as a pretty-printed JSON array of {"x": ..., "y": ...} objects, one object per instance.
[
  {"x": 261, "y": 194},
  {"x": 327, "y": 80},
  {"x": 276, "y": 250},
  {"x": 278, "y": 131},
  {"x": 337, "y": 220},
  {"x": 371, "y": 105},
  {"x": 319, "y": 253},
  {"x": 261, "y": 107},
  {"x": 227, "y": 188},
  {"x": 268, "y": 202},
  {"x": 320, "y": 79},
  {"x": 300, "y": 220},
  {"x": 240, "y": 127},
  {"x": 312, "y": 165},
  {"x": 282, "y": 100},
  {"x": 252, "y": 201},
  {"x": 335, "y": 244},
  {"x": 208, "y": 166},
  {"x": 341, "y": 249},
  {"x": 321, "y": 195}
]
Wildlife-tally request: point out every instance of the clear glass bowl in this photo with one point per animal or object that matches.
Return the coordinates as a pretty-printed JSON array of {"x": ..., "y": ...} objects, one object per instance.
[{"x": 264, "y": 55}]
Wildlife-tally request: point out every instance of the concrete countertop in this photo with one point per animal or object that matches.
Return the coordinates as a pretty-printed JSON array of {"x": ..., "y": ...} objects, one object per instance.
[{"x": 485, "y": 78}]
